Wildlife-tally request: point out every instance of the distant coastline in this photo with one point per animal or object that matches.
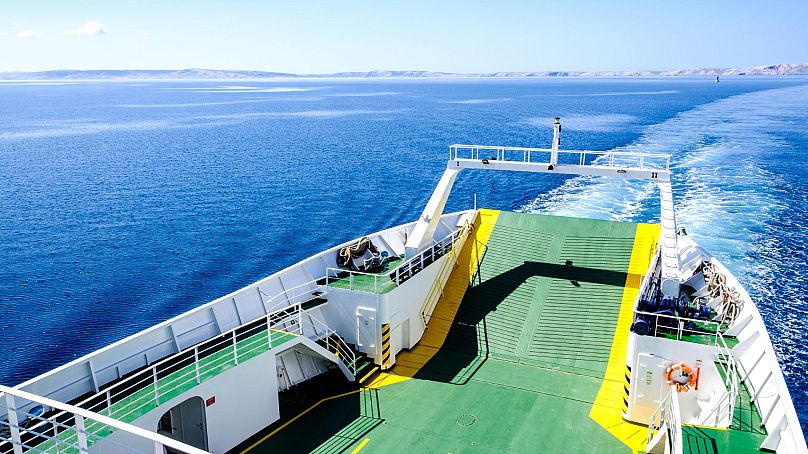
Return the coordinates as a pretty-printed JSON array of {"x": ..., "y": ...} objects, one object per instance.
[{"x": 196, "y": 73}]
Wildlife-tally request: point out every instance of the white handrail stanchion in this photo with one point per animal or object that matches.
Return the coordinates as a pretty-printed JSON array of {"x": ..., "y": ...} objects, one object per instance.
[
  {"x": 81, "y": 433},
  {"x": 14, "y": 423},
  {"x": 196, "y": 365}
]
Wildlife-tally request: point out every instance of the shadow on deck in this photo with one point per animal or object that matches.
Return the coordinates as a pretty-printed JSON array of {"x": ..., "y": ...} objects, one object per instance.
[
  {"x": 323, "y": 415},
  {"x": 466, "y": 346}
]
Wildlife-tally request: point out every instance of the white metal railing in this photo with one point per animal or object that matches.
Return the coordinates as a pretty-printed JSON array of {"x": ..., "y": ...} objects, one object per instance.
[
  {"x": 134, "y": 396},
  {"x": 299, "y": 294},
  {"x": 334, "y": 343},
  {"x": 678, "y": 325},
  {"x": 383, "y": 282},
  {"x": 436, "y": 291},
  {"x": 88, "y": 428},
  {"x": 651, "y": 161},
  {"x": 724, "y": 409},
  {"x": 666, "y": 419}
]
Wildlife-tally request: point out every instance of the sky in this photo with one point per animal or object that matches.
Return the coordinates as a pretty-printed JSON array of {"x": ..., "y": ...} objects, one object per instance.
[{"x": 455, "y": 36}]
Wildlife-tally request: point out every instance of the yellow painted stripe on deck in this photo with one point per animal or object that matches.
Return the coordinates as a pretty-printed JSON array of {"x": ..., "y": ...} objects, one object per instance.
[
  {"x": 608, "y": 405},
  {"x": 408, "y": 363},
  {"x": 361, "y": 445},
  {"x": 372, "y": 371}
]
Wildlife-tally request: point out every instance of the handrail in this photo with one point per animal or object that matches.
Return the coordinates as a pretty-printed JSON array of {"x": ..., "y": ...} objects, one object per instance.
[
  {"x": 680, "y": 330},
  {"x": 334, "y": 273},
  {"x": 313, "y": 286},
  {"x": 666, "y": 418},
  {"x": 311, "y": 290},
  {"x": 287, "y": 321},
  {"x": 728, "y": 400},
  {"x": 407, "y": 268},
  {"x": 504, "y": 152},
  {"x": 437, "y": 287},
  {"x": 81, "y": 415},
  {"x": 341, "y": 349},
  {"x": 451, "y": 238}
]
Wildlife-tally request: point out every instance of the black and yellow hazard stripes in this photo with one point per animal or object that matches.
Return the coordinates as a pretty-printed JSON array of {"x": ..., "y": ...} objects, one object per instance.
[
  {"x": 626, "y": 388},
  {"x": 385, "y": 345}
]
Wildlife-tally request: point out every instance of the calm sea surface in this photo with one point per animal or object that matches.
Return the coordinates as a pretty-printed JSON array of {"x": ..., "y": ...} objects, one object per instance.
[{"x": 126, "y": 203}]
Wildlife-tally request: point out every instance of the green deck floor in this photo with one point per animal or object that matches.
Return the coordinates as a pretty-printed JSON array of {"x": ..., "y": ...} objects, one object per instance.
[
  {"x": 522, "y": 362},
  {"x": 524, "y": 358}
]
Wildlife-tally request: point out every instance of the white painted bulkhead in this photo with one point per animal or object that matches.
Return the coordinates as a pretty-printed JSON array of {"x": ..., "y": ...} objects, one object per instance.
[
  {"x": 757, "y": 365},
  {"x": 88, "y": 373},
  {"x": 239, "y": 403},
  {"x": 648, "y": 386},
  {"x": 757, "y": 361}
]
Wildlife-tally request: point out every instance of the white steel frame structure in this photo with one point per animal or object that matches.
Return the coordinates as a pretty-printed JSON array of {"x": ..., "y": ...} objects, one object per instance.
[{"x": 627, "y": 165}]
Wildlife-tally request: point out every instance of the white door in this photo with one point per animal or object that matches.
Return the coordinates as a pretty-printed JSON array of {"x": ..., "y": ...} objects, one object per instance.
[
  {"x": 648, "y": 386},
  {"x": 366, "y": 329},
  {"x": 186, "y": 423}
]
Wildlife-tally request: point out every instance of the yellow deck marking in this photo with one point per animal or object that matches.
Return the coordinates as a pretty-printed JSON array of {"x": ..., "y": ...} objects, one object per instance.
[
  {"x": 608, "y": 405},
  {"x": 408, "y": 363},
  {"x": 361, "y": 445},
  {"x": 283, "y": 426},
  {"x": 372, "y": 371}
]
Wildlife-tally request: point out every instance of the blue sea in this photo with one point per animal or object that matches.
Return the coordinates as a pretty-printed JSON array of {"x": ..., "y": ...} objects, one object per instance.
[{"x": 126, "y": 203}]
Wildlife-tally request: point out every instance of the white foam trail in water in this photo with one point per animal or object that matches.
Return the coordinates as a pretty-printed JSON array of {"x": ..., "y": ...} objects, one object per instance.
[
  {"x": 721, "y": 189},
  {"x": 739, "y": 188}
]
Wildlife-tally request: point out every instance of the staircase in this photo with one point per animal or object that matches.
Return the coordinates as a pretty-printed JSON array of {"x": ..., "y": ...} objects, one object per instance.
[
  {"x": 365, "y": 367},
  {"x": 665, "y": 427},
  {"x": 719, "y": 408}
]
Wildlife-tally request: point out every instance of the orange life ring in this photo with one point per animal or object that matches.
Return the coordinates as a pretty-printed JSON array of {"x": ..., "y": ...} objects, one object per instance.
[{"x": 681, "y": 376}]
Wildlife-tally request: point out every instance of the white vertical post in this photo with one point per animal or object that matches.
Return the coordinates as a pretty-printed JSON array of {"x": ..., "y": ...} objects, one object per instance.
[
  {"x": 158, "y": 448},
  {"x": 269, "y": 333},
  {"x": 156, "y": 391},
  {"x": 760, "y": 388},
  {"x": 235, "y": 348},
  {"x": 556, "y": 142},
  {"x": 771, "y": 410},
  {"x": 81, "y": 433},
  {"x": 196, "y": 364},
  {"x": 14, "y": 424}
]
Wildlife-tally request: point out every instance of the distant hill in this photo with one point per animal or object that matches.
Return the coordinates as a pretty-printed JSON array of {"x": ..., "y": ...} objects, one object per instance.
[{"x": 197, "y": 73}]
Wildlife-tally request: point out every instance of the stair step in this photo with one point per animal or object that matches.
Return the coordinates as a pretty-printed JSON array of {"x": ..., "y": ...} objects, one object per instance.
[
  {"x": 363, "y": 365},
  {"x": 373, "y": 371}
]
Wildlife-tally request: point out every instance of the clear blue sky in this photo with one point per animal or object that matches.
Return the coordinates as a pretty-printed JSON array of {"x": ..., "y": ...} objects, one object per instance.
[{"x": 462, "y": 36}]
